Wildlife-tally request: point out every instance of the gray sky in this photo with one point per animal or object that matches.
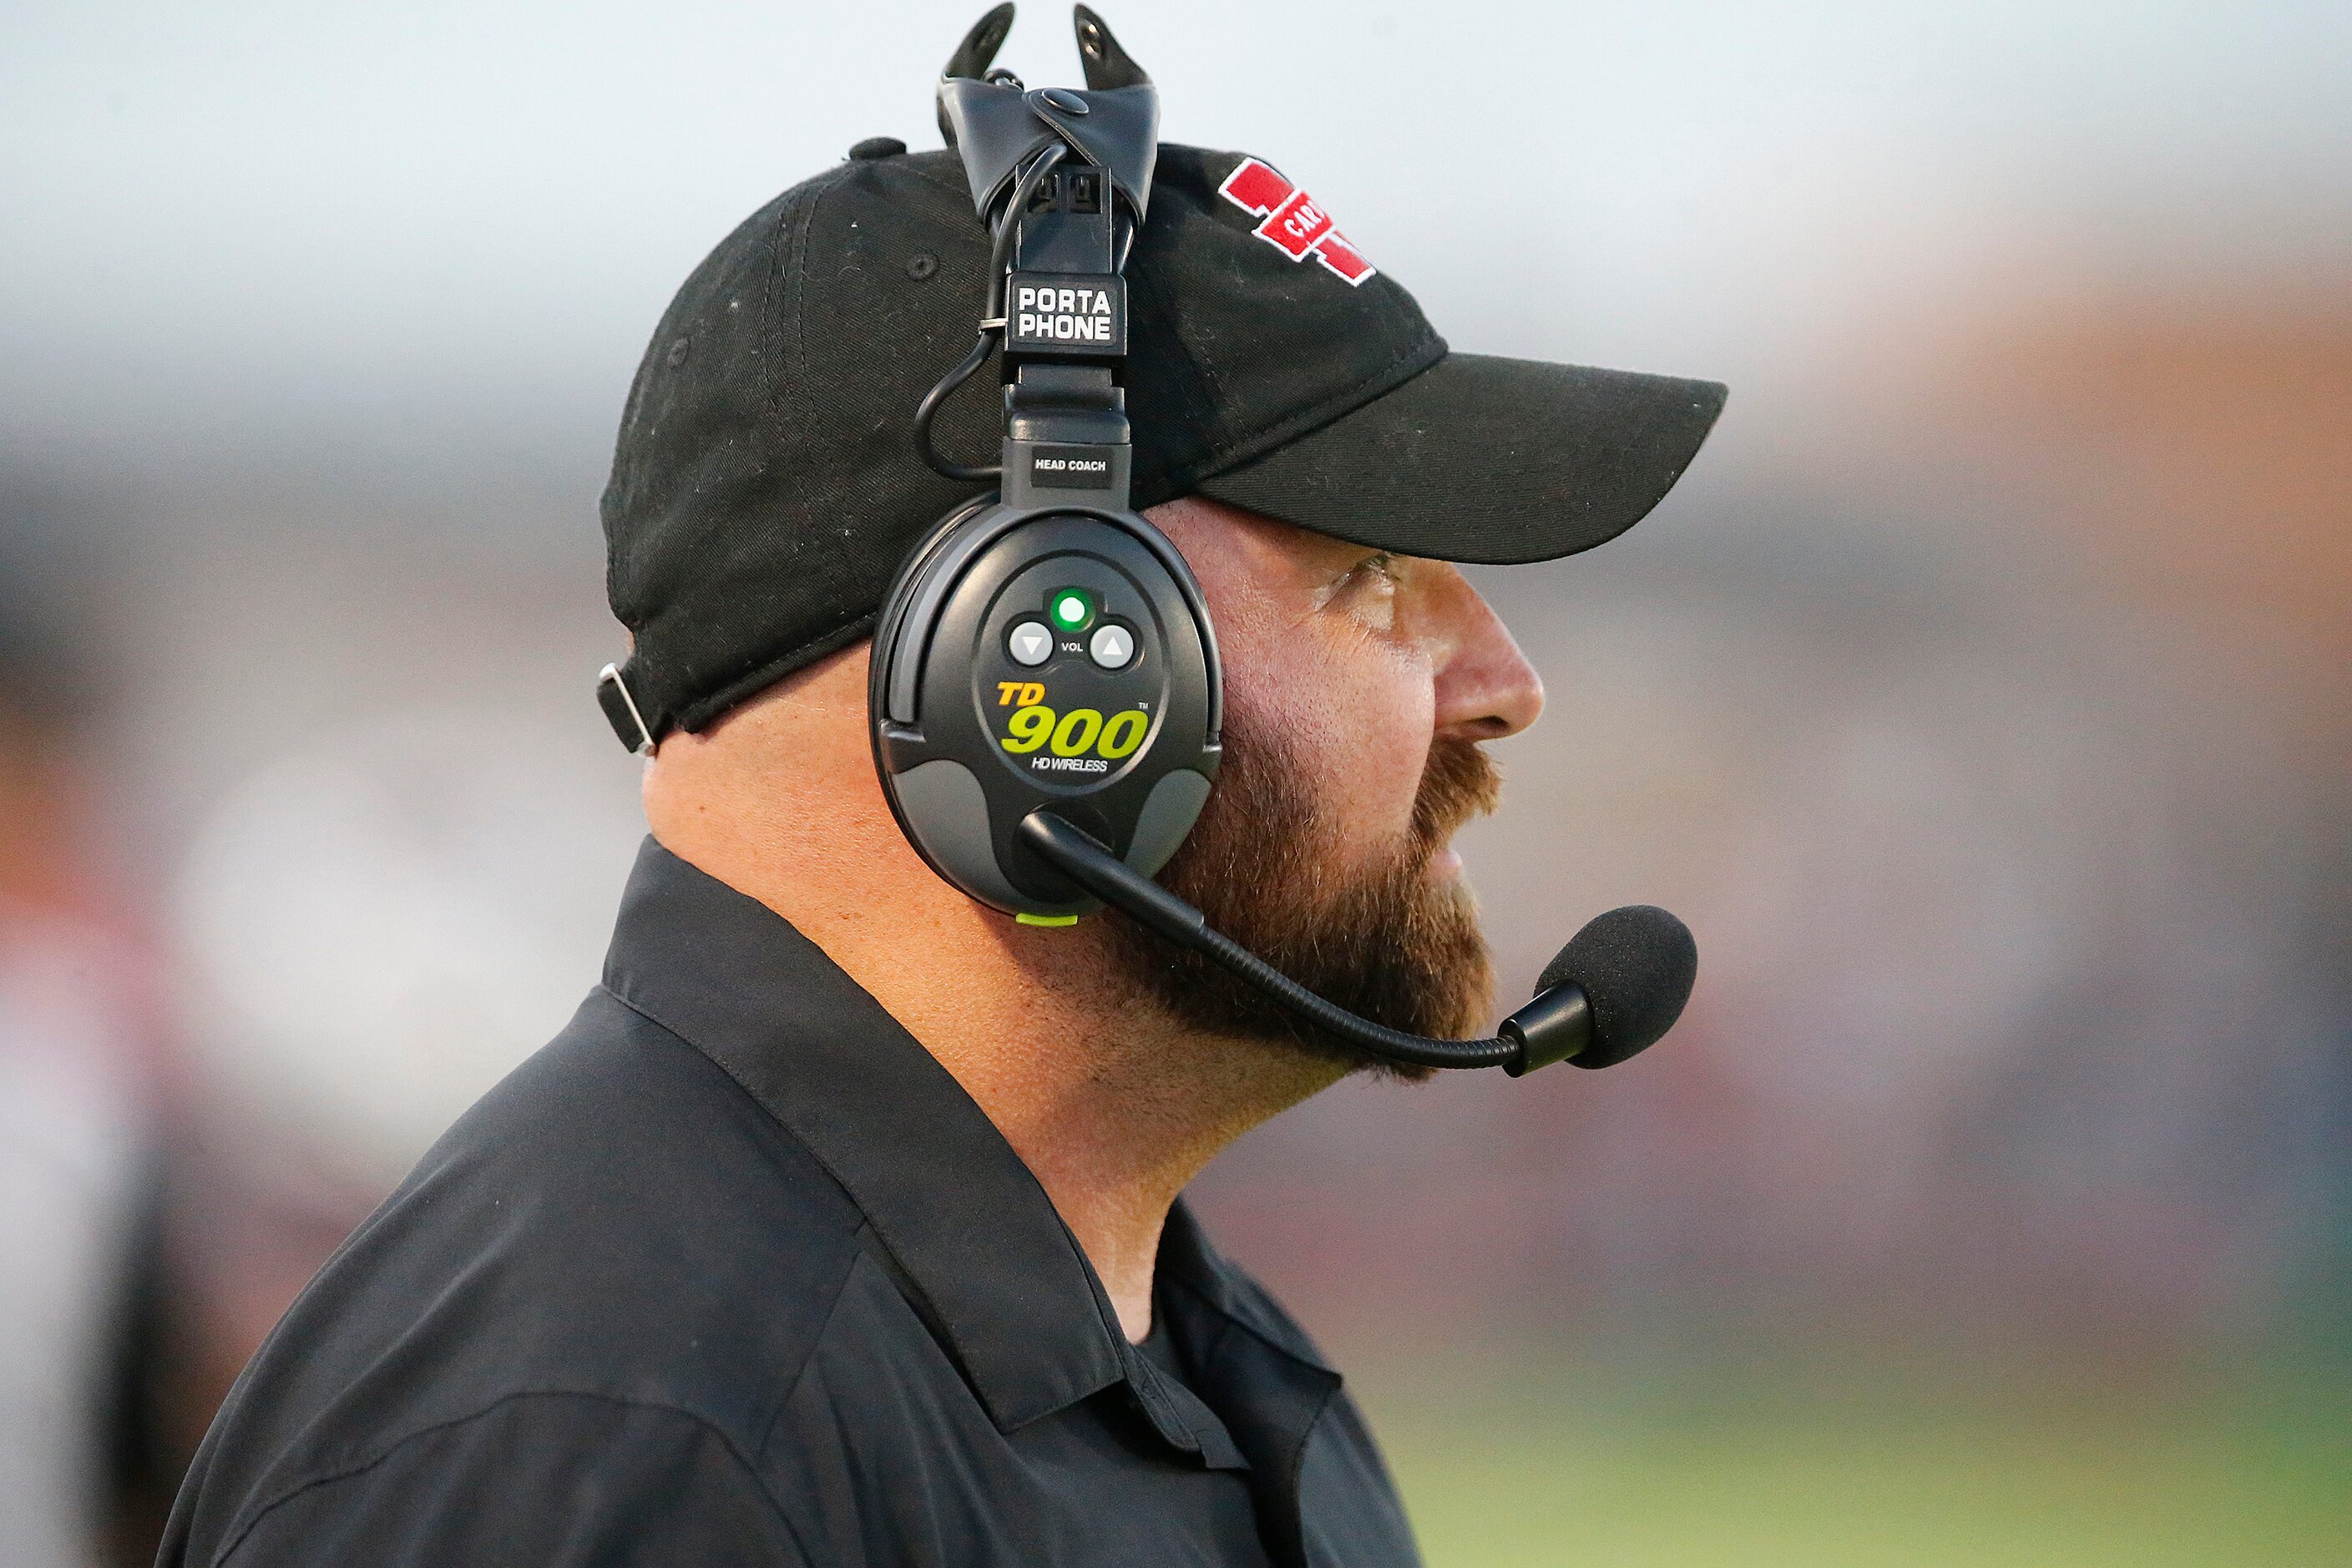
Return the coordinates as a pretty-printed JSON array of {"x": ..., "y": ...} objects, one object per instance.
[{"x": 246, "y": 228}]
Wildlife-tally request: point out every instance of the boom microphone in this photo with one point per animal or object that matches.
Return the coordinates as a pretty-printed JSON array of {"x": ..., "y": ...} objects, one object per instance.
[{"x": 1617, "y": 986}]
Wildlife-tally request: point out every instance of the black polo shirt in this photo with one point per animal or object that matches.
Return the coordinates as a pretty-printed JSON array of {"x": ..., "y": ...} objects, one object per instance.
[{"x": 734, "y": 1272}]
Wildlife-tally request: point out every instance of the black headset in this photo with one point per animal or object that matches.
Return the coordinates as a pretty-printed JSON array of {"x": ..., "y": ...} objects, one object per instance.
[
  {"x": 1044, "y": 697},
  {"x": 1047, "y": 648}
]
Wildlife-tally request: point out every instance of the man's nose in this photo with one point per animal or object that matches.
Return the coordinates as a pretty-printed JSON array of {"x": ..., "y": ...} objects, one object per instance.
[{"x": 1486, "y": 687}]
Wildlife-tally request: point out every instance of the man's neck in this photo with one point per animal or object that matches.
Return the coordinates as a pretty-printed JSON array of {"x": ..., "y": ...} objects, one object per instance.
[{"x": 1113, "y": 1106}]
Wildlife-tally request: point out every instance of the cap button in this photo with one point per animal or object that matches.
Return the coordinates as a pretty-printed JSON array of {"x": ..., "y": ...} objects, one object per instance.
[
  {"x": 877, "y": 147},
  {"x": 1061, "y": 98}
]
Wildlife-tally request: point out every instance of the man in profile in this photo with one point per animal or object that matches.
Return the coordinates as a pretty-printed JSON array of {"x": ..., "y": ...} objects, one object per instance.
[{"x": 843, "y": 1223}]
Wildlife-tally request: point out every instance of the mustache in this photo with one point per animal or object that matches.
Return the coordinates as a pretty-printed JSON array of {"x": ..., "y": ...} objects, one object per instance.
[{"x": 1459, "y": 783}]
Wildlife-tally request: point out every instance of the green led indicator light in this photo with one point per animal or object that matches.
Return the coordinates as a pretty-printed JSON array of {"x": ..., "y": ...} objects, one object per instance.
[
  {"x": 1029, "y": 920},
  {"x": 1071, "y": 609}
]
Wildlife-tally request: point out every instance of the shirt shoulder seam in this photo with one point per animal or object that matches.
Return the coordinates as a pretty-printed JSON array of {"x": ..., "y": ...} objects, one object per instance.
[{"x": 349, "y": 1472}]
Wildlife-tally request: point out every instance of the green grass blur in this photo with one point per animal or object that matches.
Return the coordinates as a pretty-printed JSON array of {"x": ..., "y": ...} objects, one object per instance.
[{"x": 1551, "y": 1473}]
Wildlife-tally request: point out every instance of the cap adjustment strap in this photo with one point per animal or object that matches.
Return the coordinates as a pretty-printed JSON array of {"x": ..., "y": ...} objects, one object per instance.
[{"x": 621, "y": 711}]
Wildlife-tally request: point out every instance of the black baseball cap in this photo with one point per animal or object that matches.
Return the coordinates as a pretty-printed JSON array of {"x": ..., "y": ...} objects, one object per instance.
[{"x": 766, "y": 486}]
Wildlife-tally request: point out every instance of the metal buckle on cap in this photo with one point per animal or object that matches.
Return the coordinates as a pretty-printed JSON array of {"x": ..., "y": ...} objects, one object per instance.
[{"x": 610, "y": 677}]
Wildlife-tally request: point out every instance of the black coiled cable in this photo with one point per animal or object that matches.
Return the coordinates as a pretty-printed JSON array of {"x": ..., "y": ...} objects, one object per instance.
[{"x": 991, "y": 325}]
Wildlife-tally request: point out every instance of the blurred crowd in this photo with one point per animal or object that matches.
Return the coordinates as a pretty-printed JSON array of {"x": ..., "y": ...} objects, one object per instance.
[{"x": 83, "y": 1083}]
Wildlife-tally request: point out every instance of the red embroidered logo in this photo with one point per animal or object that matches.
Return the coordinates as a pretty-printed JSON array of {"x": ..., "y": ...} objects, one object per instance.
[{"x": 1293, "y": 224}]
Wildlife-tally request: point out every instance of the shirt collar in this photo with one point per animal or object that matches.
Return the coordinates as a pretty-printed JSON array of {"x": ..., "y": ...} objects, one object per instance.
[
  {"x": 1187, "y": 1262},
  {"x": 997, "y": 1270},
  {"x": 1254, "y": 1367}
]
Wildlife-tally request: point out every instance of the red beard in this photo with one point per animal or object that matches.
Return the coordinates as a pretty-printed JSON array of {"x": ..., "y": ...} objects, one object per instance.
[{"x": 1391, "y": 942}]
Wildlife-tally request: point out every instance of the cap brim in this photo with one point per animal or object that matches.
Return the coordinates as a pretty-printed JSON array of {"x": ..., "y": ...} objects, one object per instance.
[{"x": 1485, "y": 459}]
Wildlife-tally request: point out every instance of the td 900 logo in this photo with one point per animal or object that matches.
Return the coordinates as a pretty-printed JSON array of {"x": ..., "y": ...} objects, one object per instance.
[{"x": 1080, "y": 741}]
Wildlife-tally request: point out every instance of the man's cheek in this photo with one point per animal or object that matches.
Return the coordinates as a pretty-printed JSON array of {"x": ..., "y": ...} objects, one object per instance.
[
  {"x": 1368, "y": 756},
  {"x": 1351, "y": 711}
]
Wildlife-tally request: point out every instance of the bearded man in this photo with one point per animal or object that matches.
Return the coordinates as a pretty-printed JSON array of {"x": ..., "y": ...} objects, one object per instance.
[{"x": 843, "y": 1223}]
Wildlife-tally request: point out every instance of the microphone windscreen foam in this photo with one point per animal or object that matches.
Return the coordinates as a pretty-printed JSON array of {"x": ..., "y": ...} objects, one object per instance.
[{"x": 1636, "y": 965}]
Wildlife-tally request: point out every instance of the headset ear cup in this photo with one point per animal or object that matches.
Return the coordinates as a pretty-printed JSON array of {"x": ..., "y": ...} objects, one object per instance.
[
  {"x": 889, "y": 622},
  {"x": 1027, "y": 658}
]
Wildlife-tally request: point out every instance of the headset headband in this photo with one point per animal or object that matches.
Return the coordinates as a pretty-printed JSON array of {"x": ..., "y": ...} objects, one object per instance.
[{"x": 1063, "y": 178}]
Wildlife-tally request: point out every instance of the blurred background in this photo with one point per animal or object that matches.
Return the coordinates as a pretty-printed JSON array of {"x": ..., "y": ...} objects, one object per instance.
[{"x": 1980, "y": 698}]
